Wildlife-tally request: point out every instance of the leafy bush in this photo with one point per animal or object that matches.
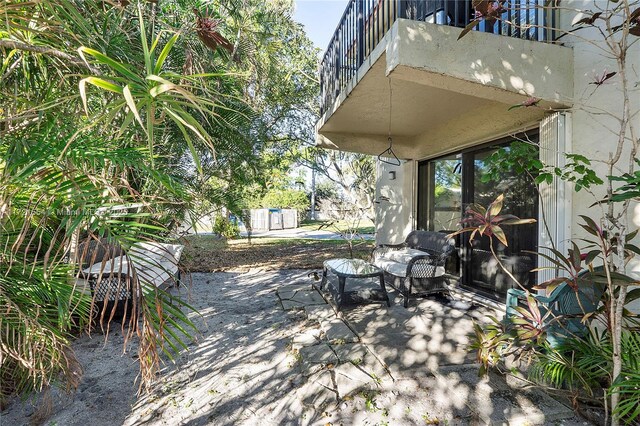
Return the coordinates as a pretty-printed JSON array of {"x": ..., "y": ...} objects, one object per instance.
[
  {"x": 225, "y": 227},
  {"x": 586, "y": 364}
]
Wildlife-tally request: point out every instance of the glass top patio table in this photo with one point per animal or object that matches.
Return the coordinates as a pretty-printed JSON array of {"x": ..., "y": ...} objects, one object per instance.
[{"x": 352, "y": 268}]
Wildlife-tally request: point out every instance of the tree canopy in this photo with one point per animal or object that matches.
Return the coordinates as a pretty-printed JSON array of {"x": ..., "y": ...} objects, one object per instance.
[{"x": 147, "y": 105}]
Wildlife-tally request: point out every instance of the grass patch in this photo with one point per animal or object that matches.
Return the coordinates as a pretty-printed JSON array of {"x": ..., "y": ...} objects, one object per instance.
[{"x": 207, "y": 253}]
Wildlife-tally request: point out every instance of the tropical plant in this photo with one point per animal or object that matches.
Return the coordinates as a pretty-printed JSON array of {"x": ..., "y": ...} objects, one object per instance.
[
  {"x": 611, "y": 28},
  {"x": 49, "y": 207},
  {"x": 584, "y": 367},
  {"x": 79, "y": 165},
  {"x": 480, "y": 221},
  {"x": 226, "y": 228},
  {"x": 152, "y": 93},
  {"x": 576, "y": 363}
]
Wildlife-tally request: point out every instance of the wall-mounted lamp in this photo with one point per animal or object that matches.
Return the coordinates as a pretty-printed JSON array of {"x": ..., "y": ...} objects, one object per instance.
[{"x": 392, "y": 175}]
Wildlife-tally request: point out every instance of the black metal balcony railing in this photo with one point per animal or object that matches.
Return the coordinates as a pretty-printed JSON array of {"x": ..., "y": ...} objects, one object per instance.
[{"x": 365, "y": 22}]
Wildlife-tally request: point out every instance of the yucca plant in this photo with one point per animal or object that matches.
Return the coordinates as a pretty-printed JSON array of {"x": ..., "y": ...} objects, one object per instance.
[{"x": 155, "y": 92}]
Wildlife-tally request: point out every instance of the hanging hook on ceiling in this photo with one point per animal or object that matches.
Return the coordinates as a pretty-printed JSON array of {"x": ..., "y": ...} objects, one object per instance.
[{"x": 388, "y": 156}]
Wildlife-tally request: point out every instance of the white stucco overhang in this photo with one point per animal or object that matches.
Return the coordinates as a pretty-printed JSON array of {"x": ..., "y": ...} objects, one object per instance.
[{"x": 447, "y": 93}]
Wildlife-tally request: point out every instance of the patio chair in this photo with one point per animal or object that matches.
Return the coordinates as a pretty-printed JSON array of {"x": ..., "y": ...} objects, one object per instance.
[
  {"x": 112, "y": 280},
  {"x": 567, "y": 306},
  {"x": 422, "y": 257},
  {"x": 112, "y": 293},
  {"x": 96, "y": 250}
]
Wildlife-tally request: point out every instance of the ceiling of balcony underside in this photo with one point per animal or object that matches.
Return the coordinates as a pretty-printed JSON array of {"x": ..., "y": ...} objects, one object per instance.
[
  {"x": 413, "y": 109},
  {"x": 425, "y": 120}
]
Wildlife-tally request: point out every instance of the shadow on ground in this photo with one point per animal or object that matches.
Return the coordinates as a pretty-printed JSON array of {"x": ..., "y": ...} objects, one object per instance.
[
  {"x": 273, "y": 352},
  {"x": 433, "y": 376}
]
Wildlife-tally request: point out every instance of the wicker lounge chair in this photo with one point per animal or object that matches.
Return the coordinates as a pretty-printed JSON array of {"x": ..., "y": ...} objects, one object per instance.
[
  {"x": 422, "y": 257},
  {"x": 150, "y": 264}
]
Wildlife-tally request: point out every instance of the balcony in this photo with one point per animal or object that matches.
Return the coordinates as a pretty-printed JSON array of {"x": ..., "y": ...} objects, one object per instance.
[{"x": 405, "y": 56}]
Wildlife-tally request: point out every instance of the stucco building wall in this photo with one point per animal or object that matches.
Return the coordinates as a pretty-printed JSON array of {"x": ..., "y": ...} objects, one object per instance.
[
  {"x": 394, "y": 202},
  {"x": 596, "y": 114}
]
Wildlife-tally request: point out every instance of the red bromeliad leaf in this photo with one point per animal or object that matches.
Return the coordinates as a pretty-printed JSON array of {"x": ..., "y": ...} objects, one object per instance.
[
  {"x": 477, "y": 208},
  {"x": 560, "y": 261},
  {"x": 499, "y": 234},
  {"x": 503, "y": 218},
  {"x": 575, "y": 257},
  {"x": 529, "y": 324},
  {"x": 633, "y": 23},
  {"x": 461, "y": 231},
  {"x": 473, "y": 219},
  {"x": 591, "y": 224},
  {"x": 532, "y": 303},
  {"x": 495, "y": 207},
  {"x": 471, "y": 25},
  {"x": 489, "y": 9},
  {"x": 207, "y": 30},
  {"x": 481, "y": 7},
  {"x": 551, "y": 285},
  {"x": 517, "y": 221},
  {"x": 591, "y": 256},
  {"x": 487, "y": 222}
]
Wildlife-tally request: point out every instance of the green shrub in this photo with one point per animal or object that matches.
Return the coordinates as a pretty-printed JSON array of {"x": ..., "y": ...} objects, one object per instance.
[
  {"x": 226, "y": 228},
  {"x": 586, "y": 365}
]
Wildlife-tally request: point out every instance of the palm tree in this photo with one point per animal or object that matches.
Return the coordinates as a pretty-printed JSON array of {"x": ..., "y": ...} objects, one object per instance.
[
  {"x": 107, "y": 104},
  {"x": 59, "y": 166}
]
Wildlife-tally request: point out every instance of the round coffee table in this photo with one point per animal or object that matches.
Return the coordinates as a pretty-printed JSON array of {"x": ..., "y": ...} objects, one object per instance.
[{"x": 352, "y": 268}]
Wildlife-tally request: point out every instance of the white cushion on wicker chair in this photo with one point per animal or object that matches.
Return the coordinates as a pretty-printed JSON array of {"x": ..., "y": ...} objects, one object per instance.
[
  {"x": 403, "y": 255},
  {"x": 395, "y": 262},
  {"x": 115, "y": 265},
  {"x": 154, "y": 263},
  {"x": 400, "y": 269}
]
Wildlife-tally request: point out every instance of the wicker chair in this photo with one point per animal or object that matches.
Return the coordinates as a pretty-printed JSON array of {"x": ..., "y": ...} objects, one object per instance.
[
  {"x": 112, "y": 293},
  {"x": 421, "y": 258},
  {"x": 113, "y": 280}
]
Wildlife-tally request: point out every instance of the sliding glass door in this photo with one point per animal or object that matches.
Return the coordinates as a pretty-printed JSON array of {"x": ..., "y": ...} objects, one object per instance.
[
  {"x": 440, "y": 193},
  {"x": 448, "y": 184}
]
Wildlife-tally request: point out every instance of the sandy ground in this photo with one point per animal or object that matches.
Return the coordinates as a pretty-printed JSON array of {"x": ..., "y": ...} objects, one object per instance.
[
  {"x": 240, "y": 360},
  {"x": 241, "y": 370}
]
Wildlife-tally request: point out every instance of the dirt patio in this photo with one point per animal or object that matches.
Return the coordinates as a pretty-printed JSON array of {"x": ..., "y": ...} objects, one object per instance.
[{"x": 273, "y": 352}]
